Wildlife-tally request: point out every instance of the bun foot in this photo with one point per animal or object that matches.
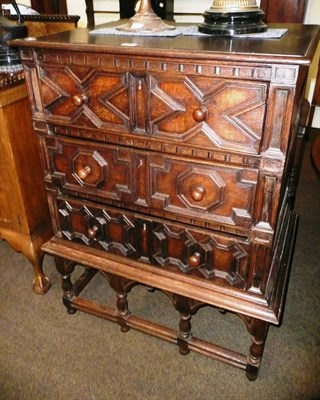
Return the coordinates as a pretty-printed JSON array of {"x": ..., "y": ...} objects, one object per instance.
[
  {"x": 41, "y": 284},
  {"x": 252, "y": 372}
]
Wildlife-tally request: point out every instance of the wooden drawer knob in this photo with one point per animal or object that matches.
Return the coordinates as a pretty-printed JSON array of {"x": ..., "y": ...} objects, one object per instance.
[
  {"x": 79, "y": 99},
  {"x": 200, "y": 114},
  {"x": 195, "y": 260},
  {"x": 198, "y": 193},
  {"x": 92, "y": 232},
  {"x": 84, "y": 172}
]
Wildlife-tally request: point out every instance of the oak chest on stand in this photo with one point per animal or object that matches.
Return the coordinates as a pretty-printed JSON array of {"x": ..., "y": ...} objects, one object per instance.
[{"x": 173, "y": 163}]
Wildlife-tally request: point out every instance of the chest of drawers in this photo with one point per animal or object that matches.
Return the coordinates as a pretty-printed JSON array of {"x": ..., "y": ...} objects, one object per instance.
[
  {"x": 173, "y": 163},
  {"x": 24, "y": 218}
]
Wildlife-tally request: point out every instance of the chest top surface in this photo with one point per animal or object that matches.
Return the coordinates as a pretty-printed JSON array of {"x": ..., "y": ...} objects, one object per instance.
[{"x": 297, "y": 45}]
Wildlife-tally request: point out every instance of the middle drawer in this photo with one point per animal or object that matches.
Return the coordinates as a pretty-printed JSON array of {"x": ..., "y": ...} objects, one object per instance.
[{"x": 218, "y": 196}]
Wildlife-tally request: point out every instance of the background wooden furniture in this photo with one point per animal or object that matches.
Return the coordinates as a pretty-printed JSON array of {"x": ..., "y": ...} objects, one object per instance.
[
  {"x": 284, "y": 10},
  {"x": 40, "y": 25},
  {"x": 46, "y": 7},
  {"x": 315, "y": 150},
  {"x": 24, "y": 215},
  {"x": 315, "y": 155},
  {"x": 315, "y": 99},
  {"x": 50, "y": 6},
  {"x": 174, "y": 167}
]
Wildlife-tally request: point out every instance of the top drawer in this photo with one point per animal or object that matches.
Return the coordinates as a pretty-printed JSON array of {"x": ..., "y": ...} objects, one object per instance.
[{"x": 191, "y": 110}]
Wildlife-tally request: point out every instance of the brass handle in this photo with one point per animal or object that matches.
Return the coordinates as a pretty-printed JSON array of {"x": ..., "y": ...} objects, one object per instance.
[
  {"x": 92, "y": 232},
  {"x": 195, "y": 260},
  {"x": 198, "y": 193},
  {"x": 79, "y": 99},
  {"x": 84, "y": 172},
  {"x": 200, "y": 114}
]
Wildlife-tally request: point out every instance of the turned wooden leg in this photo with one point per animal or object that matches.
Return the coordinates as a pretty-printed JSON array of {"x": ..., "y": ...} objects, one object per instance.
[
  {"x": 183, "y": 305},
  {"x": 65, "y": 268},
  {"x": 259, "y": 330},
  {"x": 118, "y": 285},
  {"x": 184, "y": 333}
]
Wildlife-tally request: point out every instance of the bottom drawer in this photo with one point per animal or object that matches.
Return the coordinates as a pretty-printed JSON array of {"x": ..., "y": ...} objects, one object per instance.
[{"x": 199, "y": 252}]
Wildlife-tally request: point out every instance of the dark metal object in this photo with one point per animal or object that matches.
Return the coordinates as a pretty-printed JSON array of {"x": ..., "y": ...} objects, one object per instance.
[
  {"x": 228, "y": 18},
  {"x": 10, "y": 31}
]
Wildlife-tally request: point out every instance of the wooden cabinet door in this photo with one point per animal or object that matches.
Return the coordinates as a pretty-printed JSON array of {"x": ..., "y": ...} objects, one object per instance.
[
  {"x": 50, "y": 6},
  {"x": 284, "y": 10}
]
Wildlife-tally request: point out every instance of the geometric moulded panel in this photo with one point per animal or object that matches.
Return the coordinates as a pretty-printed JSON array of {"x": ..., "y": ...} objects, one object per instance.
[
  {"x": 201, "y": 188},
  {"x": 89, "y": 168}
]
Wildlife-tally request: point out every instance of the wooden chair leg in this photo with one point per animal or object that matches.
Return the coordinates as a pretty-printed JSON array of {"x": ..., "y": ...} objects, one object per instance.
[
  {"x": 90, "y": 14},
  {"x": 315, "y": 155},
  {"x": 310, "y": 118}
]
